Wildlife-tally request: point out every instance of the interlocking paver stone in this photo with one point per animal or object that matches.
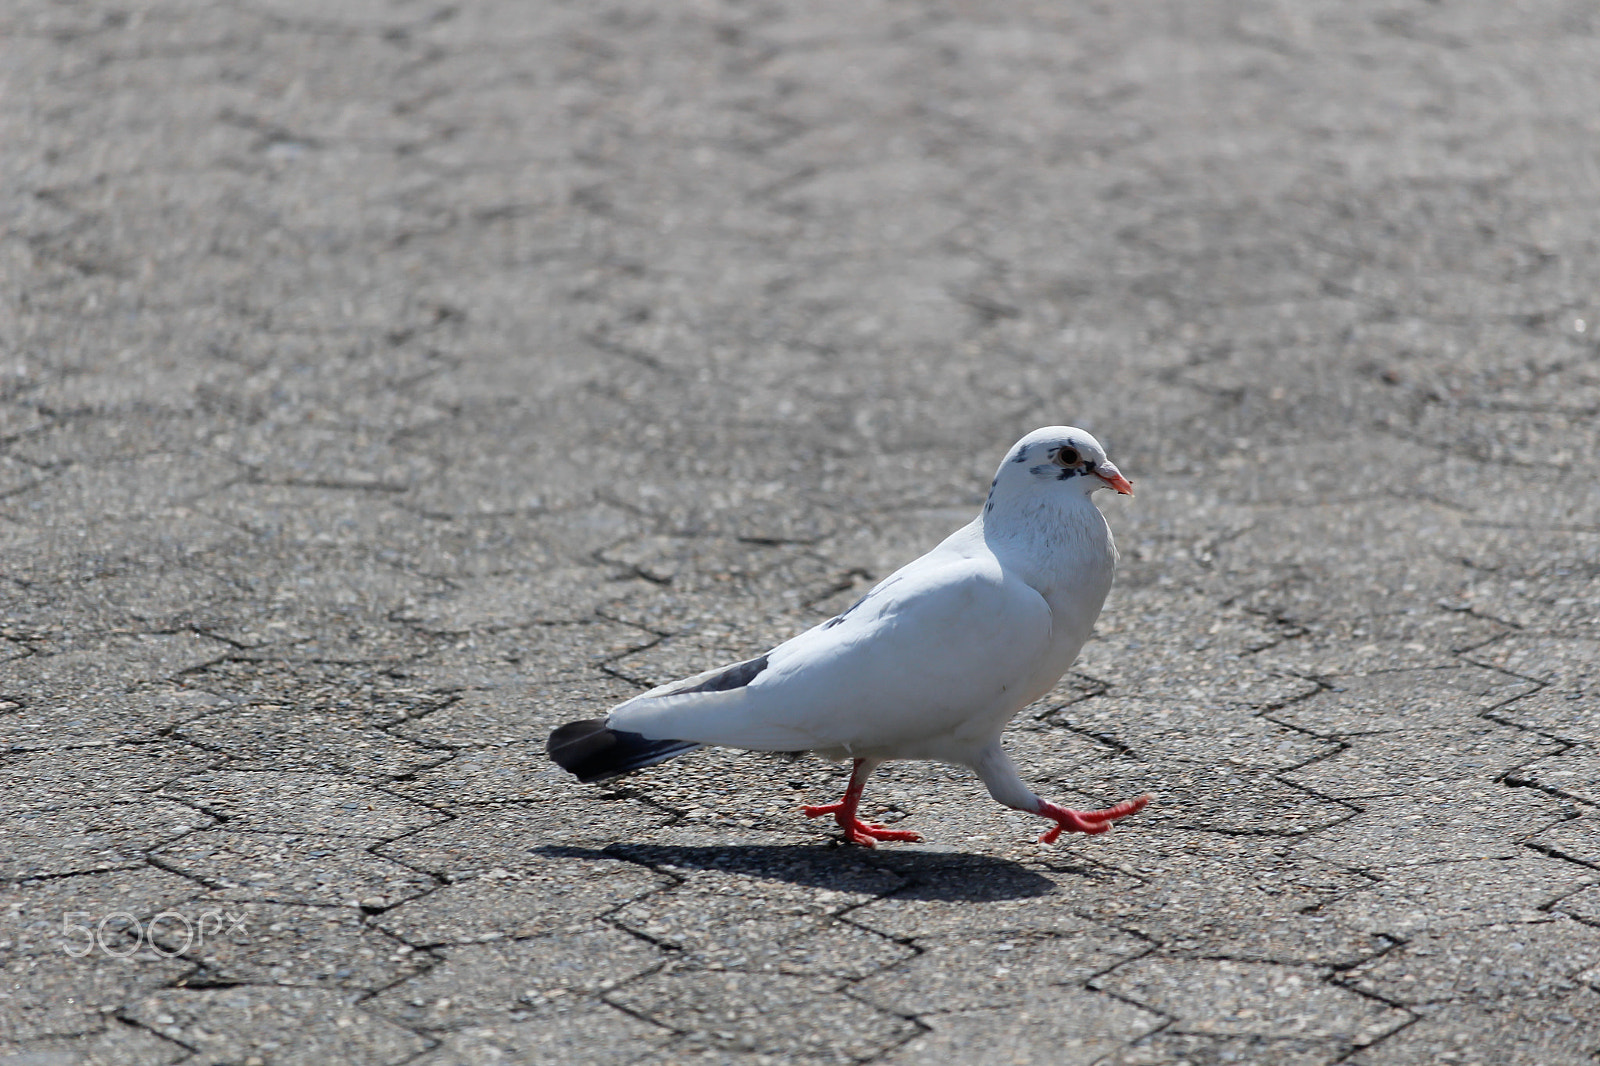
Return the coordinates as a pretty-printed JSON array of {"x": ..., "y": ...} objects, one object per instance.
[
  {"x": 1574, "y": 773},
  {"x": 292, "y": 868},
  {"x": 1220, "y": 798},
  {"x": 1507, "y": 963},
  {"x": 110, "y": 691},
  {"x": 301, "y": 802},
  {"x": 480, "y": 983},
  {"x": 1577, "y": 839},
  {"x": 82, "y": 839},
  {"x": 72, "y": 777},
  {"x": 53, "y": 994},
  {"x": 841, "y": 949},
  {"x": 1401, "y": 762},
  {"x": 1583, "y": 904},
  {"x": 124, "y": 1045},
  {"x": 1206, "y": 996},
  {"x": 1565, "y": 662},
  {"x": 1165, "y": 1047},
  {"x": 1194, "y": 732},
  {"x": 48, "y": 915},
  {"x": 1041, "y": 1025},
  {"x": 961, "y": 974},
  {"x": 273, "y": 1024},
  {"x": 995, "y": 898},
  {"x": 1439, "y": 896},
  {"x": 1514, "y": 1032},
  {"x": 1440, "y": 823},
  {"x": 481, "y": 839},
  {"x": 1397, "y": 700},
  {"x": 720, "y": 925},
  {"x": 518, "y": 771},
  {"x": 512, "y": 710},
  {"x": 748, "y": 1011},
  {"x": 533, "y": 896},
  {"x": 282, "y": 944},
  {"x": 566, "y": 1029},
  {"x": 1207, "y": 896},
  {"x": 1569, "y": 714},
  {"x": 1373, "y": 644},
  {"x": 257, "y": 737}
]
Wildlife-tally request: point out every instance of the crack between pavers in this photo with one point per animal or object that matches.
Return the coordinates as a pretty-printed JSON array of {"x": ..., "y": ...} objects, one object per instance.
[
  {"x": 1508, "y": 780},
  {"x": 160, "y": 862},
  {"x": 121, "y": 1015},
  {"x": 1552, "y": 528},
  {"x": 1357, "y": 1048},
  {"x": 1047, "y": 717},
  {"x": 846, "y": 583},
  {"x": 1551, "y": 852},
  {"x": 923, "y": 1029},
  {"x": 602, "y": 995},
  {"x": 1094, "y": 985},
  {"x": 1539, "y": 731},
  {"x": 1104, "y": 739},
  {"x": 1269, "y": 708},
  {"x": 658, "y": 634},
  {"x": 195, "y": 805},
  {"x": 1550, "y": 906},
  {"x": 1347, "y": 804},
  {"x": 450, "y": 753},
  {"x": 1467, "y": 658},
  {"x": 60, "y": 875}
]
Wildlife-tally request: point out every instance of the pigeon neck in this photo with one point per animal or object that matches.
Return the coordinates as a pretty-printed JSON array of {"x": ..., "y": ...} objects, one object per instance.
[
  {"x": 1009, "y": 512},
  {"x": 1043, "y": 536}
]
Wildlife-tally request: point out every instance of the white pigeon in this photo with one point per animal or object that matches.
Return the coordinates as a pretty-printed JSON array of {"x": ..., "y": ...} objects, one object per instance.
[{"x": 931, "y": 664}]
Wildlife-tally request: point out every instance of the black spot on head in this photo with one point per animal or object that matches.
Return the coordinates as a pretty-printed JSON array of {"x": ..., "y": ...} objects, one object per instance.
[
  {"x": 1021, "y": 456},
  {"x": 1060, "y": 473}
]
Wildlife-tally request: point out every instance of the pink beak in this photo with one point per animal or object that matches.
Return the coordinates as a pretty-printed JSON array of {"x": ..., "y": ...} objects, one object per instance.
[{"x": 1108, "y": 473}]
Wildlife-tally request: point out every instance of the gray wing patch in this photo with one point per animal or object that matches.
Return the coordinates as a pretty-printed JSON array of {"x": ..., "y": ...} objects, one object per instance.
[
  {"x": 836, "y": 619},
  {"x": 736, "y": 676},
  {"x": 840, "y": 617}
]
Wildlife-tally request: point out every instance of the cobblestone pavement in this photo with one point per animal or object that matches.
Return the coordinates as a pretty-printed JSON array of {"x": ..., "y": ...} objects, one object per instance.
[{"x": 384, "y": 382}]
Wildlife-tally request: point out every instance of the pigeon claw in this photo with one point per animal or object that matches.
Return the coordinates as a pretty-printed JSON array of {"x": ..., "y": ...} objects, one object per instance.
[
  {"x": 1091, "y": 822},
  {"x": 855, "y": 830}
]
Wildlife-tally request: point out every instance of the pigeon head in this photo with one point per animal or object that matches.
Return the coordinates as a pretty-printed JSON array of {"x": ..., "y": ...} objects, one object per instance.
[{"x": 1056, "y": 459}]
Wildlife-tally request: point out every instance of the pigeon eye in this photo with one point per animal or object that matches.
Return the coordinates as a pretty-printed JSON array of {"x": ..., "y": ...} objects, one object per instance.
[{"x": 1068, "y": 456}]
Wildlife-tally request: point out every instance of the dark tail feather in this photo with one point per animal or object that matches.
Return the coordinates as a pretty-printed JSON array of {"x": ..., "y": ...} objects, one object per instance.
[{"x": 594, "y": 753}]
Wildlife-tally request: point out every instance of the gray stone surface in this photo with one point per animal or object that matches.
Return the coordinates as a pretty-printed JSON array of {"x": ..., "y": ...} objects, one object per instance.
[
  {"x": 384, "y": 383},
  {"x": 1252, "y": 999},
  {"x": 1505, "y": 962},
  {"x": 1537, "y": 1032}
]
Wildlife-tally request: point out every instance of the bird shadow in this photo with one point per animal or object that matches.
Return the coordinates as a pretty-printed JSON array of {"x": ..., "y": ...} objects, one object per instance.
[{"x": 918, "y": 875}]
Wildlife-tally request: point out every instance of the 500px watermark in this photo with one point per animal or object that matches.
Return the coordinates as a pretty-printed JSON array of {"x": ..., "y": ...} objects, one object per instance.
[{"x": 120, "y": 934}]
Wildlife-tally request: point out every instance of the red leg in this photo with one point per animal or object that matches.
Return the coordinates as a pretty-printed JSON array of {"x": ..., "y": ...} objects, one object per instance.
[
  {"x": 1085, "y": 821},
  {"x": 844, "y": 811}
]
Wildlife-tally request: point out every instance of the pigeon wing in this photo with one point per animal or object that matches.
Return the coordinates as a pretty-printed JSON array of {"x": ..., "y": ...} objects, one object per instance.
[{"x": 944, "y": 645}]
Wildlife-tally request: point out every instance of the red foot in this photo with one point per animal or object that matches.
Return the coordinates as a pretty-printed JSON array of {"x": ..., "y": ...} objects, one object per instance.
[
  {"x": 844, "y": 812},
  {"x": 1086, "y": 821},
  {"x": 865, "y": 833}
]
